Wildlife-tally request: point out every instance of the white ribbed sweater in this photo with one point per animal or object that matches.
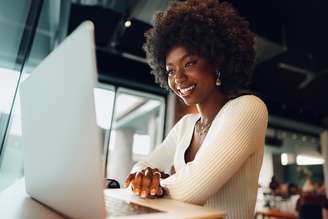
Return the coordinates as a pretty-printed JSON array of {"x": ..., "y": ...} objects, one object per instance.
[{"x": 224, "y": 173}]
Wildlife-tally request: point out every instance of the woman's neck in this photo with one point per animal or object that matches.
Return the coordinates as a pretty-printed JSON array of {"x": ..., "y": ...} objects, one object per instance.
[{"x": 211, "y": 106}]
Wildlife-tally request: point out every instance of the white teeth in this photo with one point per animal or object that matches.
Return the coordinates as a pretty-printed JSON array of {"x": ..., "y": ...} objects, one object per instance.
[{"x": 184, "y": 90}]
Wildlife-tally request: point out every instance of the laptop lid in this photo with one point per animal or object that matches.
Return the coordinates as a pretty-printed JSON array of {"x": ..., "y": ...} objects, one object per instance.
[{"x": 62, "y": 158}]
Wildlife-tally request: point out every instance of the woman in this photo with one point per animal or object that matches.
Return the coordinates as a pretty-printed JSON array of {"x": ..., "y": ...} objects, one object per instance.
[{"x": 203, "y": 51}]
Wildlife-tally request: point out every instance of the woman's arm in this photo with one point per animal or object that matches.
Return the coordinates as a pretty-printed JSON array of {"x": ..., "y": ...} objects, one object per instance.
[
  {"x": 145, "y": 175},
  {"x": 228, "y": 147},
  {"x": 163, "y": 155}
]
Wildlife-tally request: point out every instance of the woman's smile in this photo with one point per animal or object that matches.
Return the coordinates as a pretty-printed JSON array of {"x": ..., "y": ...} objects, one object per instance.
[{"x": 186, "y": 91}]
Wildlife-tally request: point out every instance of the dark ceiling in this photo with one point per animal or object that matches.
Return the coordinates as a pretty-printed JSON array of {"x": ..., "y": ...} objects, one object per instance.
[
  {"x": 293, "y": 82},
  {"x": 291, "y": 73}
]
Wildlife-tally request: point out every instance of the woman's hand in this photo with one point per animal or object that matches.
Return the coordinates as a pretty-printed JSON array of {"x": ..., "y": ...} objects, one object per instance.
[{"x": 145, "y": 183}]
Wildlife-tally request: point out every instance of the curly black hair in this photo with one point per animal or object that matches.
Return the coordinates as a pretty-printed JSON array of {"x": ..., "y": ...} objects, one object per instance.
[{"x": 209, "y": 28}]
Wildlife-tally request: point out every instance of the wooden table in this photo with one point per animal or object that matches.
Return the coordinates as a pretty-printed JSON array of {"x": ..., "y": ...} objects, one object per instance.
[
  {"x": 273, "y": 213},
  {"x": 16, "y": 204}
]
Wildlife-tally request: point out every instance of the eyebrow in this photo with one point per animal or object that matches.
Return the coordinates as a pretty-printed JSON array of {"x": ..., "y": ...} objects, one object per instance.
[{"x": 180, "y": 58}]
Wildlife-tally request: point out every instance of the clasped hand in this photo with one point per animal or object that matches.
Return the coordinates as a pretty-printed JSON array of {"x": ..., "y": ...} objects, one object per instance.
[{"x": 145, "y": 183}]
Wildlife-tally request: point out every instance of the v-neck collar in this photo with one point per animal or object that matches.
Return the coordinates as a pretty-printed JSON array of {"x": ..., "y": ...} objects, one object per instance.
[{"x": 187, "y": 138}]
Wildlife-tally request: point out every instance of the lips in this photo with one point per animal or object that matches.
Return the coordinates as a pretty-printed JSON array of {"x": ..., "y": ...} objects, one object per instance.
[{"x": 185, "y": 91}]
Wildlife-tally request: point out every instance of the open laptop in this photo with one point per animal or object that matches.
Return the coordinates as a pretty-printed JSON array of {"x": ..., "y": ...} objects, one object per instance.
[{"x": 62, "y": 143}]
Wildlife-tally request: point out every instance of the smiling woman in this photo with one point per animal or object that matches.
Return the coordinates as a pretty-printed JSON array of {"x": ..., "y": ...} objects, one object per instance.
[{"x": 202, "y": 50}]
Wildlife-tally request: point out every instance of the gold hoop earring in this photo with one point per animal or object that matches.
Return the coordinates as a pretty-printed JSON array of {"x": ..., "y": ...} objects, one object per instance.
[{"x": 218, "y": 80}]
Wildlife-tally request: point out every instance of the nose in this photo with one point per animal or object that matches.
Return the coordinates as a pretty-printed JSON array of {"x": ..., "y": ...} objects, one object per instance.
[{"x": 180, "y": 76}]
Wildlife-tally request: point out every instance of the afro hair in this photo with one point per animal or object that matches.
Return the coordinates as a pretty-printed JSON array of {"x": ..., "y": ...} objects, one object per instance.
[{"x": 209, "y": 28}]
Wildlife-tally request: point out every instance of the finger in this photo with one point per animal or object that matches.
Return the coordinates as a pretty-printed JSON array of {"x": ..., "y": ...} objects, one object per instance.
[
  {"x": 155, "y": 183},
  {"x": 132, "y": 188},
  {"x": 148, "y": 169},
  {"x": 146, "y": 183},
  {"x": 129, "y": 179},
  {"x": 160, "y": 192},
  {"x": 137, "y": 183}
]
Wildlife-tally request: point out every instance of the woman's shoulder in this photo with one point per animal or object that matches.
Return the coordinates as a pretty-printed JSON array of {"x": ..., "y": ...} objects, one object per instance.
[
  {"x": 246, "y": 105},
  {"x": 247, "y": 101}
]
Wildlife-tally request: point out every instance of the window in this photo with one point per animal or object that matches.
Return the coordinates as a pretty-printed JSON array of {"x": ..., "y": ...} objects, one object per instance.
[
  {"x": 131, "y": 122},
  {"x": 104, "y": 101},
  {"x": 137, "y": 127},
  {"x": 17, "y": 22},
  {"x": 12, "y": 20},
  {"x": 11, "y": 163}
]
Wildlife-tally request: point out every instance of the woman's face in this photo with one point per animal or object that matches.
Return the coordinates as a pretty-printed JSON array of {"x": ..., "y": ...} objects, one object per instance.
[{"x": 190, "y": 76}]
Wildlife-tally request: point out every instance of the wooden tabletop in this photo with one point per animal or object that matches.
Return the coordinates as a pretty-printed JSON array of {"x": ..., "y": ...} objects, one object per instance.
[
  {"x": 16, "y": 204},
  {"x": 275, "y": 213}
]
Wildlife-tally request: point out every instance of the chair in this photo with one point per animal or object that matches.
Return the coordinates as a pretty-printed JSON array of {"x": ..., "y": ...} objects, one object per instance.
[
  {"x": 310, "y": 205},
  {"x": 310, "y": 211}
]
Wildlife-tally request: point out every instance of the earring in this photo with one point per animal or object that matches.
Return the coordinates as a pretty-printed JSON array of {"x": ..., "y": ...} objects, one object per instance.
[{"x": 218, "y": 81}]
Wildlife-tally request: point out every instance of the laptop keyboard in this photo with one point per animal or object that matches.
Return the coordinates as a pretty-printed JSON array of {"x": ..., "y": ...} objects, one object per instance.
[{"x": 116, "y": 207}]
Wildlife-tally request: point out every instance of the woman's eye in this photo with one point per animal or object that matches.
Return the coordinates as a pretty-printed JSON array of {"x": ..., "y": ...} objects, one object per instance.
[
  {"x": 189, "y": 64},
  {"x": 170, "y": 72}
]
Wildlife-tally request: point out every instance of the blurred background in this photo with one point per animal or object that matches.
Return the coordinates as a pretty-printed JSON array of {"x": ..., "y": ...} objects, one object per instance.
[{"x": 134, "y": 114}]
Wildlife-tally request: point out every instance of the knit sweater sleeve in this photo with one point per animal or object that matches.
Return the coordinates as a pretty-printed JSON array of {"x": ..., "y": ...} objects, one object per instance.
[
  {"x": 163, "y": 155},
  {"x": 230, "y": 141}
]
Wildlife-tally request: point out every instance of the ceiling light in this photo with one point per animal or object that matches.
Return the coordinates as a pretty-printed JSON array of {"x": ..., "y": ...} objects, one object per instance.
[
  {"x": 309, "y": 160},
  {"x": 127, "y": 23},
  {"x": 287, "y": 158},
  {"x": 284, "y": 159}
]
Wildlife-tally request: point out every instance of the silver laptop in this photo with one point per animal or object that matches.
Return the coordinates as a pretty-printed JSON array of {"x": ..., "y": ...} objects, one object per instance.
[
  {"x": 62, "y": 158},
  {"x": 61, "y": 141}
]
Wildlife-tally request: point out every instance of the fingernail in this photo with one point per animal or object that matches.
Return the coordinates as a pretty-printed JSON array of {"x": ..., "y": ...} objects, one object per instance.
[
  {"x": 137, "y": 191},
  {"x": 143, "y": 194},
  {"x": 153, "y": 192}
]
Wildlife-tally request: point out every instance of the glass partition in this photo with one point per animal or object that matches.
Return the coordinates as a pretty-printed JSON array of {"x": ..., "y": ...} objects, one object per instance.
[
  {"x": 137, "y": 127},
  {"x": 132, "y": 122},
  {"x": 13, "y": 18},
  {"x": 17, "y": 20}
]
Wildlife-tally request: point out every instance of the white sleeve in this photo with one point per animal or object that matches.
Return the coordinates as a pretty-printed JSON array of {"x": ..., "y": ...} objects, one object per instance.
[
  {"x": 240, "y": 130},
  {"x": 163, "y": 155}
]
